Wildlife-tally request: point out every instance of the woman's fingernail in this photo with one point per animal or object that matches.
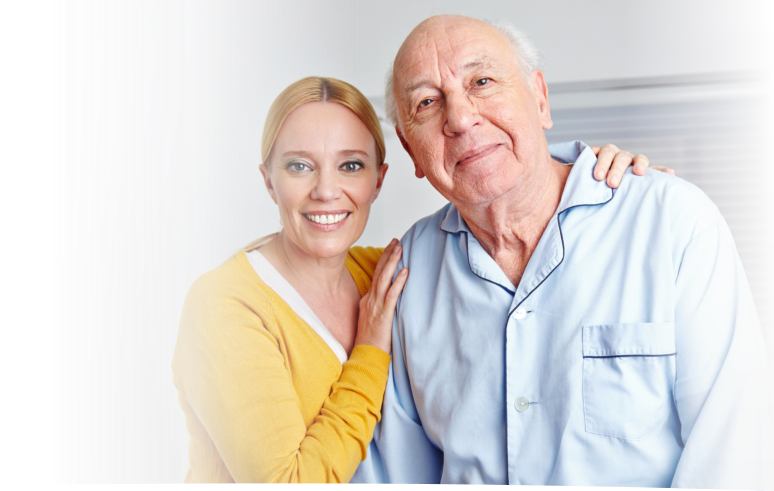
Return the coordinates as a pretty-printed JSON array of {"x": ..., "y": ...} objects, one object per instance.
[
  {"x": 396, "y": 250},
  {"x": 614, "y": 180},
  {"x": 598, "y": 175}
]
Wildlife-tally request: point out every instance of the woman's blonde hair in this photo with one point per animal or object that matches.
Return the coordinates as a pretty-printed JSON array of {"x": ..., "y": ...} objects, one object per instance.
[
  {"x": 320, "y": 89},
  {"x": 316, "y": 89}
]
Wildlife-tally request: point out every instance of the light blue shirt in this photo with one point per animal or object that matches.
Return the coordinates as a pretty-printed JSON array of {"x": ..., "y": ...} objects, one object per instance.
[{"x": 629, "y": 354}]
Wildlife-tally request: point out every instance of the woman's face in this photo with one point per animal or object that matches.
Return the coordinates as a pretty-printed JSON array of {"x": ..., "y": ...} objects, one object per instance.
[{"x": 323, "y": 175}]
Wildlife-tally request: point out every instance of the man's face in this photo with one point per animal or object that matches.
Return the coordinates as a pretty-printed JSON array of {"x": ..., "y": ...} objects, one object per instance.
[{"x": 471, "y": 124}]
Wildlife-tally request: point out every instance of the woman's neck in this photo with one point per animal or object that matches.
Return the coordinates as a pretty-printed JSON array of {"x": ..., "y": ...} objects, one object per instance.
[
  {"x": 325, "y": 284},
  {"x": 297, "y": 266}
]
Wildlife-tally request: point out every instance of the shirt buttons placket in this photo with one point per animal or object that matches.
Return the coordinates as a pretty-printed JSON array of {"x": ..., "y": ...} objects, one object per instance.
[{"x": 522, "y": 403}]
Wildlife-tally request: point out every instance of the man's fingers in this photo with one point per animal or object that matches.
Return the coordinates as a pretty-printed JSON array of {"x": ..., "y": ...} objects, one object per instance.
[
  {"x": 604, "y": 161},
  {"x": 621, "y": 161}
]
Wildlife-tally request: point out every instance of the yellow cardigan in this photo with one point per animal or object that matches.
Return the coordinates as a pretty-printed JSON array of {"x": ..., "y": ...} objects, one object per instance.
[{"x": 265, "y": 399}]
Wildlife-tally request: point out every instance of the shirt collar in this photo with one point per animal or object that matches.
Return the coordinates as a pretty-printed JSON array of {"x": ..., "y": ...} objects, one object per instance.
[
  {"x": 581, "y": 187},
  {"x": 453, "y": 221}
]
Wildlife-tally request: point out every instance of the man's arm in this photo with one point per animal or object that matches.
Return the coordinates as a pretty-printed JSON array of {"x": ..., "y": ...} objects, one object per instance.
[
  {"x": 721, "y": 387},
  {"x": 403, "y": 453}
]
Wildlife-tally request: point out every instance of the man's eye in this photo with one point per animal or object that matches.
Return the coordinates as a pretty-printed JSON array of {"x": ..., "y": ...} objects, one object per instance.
[
  {"x": 351, "y": 166},
  {"x": 482, "y": 81},
  {"x": 425, "y": 102}
]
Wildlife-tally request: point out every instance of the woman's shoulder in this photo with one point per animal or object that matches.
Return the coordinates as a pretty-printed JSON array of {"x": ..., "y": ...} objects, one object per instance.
[
  {"x": 230, "y": 285},
  {"x": 224, "y": 307},
  {"x": 366, "y": 258}
]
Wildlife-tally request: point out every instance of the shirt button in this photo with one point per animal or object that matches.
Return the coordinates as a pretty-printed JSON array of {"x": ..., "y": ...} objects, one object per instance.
[
  {"x": 519, "y": 313},
  {"x": 521, "y": 404}
]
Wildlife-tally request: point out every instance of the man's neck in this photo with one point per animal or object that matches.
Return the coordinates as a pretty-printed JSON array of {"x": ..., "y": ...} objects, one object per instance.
[{"x": 510, "y": 227}]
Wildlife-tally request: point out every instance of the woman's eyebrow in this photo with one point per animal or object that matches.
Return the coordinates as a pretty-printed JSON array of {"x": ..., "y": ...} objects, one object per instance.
[
  {"x": 354, "y": 152},
  {"x": 296, "y": 153},
  {"x": 302, "y": 153}
]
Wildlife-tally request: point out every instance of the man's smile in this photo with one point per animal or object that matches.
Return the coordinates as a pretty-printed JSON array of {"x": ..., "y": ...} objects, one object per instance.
[{"x": 478, "y": 153}]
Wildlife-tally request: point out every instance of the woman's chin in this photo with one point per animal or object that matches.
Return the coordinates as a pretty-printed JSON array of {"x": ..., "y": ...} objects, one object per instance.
[
  {"x": 326, "y": 241},
  {"x": 328, "y": 249}
]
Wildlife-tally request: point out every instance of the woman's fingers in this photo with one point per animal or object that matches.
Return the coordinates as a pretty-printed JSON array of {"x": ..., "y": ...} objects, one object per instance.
[
  {"x": 605, "y": 158},
  {"x": 661, "y": 168},
  {"x": 377, "y": 307},
  {"x": 621, "y": 162},
  {"x": 640, "y": 163},
  {"x": 613, "y": 162},
  {"x": 385, "y": 256},
  {"x": 391, "y": 300},
  {"x": 384, "y": 279}
]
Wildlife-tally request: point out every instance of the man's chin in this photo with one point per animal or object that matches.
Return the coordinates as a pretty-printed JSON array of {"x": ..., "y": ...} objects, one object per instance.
[
  {"x": 481, "y": 188},
  {"x": 480, "y": 197}
]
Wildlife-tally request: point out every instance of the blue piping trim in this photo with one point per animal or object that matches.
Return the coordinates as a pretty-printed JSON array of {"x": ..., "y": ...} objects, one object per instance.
[{"x": 561, "y": 236}]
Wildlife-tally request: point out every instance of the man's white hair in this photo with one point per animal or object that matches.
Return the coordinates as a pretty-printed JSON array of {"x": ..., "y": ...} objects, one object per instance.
[{"x": 528, "y": 57}]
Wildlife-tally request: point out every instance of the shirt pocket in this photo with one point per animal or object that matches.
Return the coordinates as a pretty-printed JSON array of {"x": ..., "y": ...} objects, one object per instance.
[{"x": 628, "y": 376}]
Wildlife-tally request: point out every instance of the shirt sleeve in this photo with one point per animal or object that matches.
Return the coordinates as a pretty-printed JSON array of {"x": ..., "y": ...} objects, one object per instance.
[
  {"x": 239, "y": 385},
  {"x": 721, "y": 386},
  {"x": 401, "y": 450}
]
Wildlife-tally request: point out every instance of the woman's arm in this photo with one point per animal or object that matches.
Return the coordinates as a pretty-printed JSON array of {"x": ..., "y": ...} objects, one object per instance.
[
  {"x": 612, "y": 162},
  {"x": 237, "y": 382}
]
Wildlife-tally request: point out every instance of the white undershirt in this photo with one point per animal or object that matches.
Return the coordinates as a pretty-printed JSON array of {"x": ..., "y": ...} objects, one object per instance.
[{"x": 281, "y": 287}]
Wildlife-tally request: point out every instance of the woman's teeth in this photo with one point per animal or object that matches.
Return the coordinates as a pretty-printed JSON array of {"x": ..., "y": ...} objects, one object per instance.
[{"x": 327, "y": 219}]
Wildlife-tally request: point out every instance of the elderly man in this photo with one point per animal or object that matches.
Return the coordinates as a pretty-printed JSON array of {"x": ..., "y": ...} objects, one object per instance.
[{"x": 545, "y": 335}]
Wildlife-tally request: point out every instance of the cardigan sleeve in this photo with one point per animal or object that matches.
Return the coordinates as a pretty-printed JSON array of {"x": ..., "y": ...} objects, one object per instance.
[
  {"x": 366, "y": 258},
  {"x": 237, "y": 382}
]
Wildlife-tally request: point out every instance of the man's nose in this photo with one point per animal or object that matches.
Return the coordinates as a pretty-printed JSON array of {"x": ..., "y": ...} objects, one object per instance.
[
  {"x": 326, "y": 187},
  {"x": 461, "y": 114}
]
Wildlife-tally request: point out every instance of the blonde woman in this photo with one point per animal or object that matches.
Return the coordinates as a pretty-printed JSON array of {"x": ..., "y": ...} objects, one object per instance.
[{"x": 282, "y": 353}]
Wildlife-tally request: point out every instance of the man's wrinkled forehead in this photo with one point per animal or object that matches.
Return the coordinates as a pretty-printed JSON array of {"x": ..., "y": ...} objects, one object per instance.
[
  {"x": 424, "y": 78},
  {"x": 451, "y": 48}
]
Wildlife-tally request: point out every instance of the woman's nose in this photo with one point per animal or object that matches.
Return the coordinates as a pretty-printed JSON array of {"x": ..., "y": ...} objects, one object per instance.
[
  {"x": 461, "y": 114},
  {"x": 327, "y": 186}
]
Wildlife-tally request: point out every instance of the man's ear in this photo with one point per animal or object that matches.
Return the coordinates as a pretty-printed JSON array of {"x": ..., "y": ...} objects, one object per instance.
[
  {"x": 380, "y": 179},
  {"x": 417, "y": 171},
  {"x": 540, "y": 91},
  {"x": 267, "y": 182}
]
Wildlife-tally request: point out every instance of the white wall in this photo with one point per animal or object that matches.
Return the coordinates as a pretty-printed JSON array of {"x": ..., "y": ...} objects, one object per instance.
[{"x": 131, "y": 167}]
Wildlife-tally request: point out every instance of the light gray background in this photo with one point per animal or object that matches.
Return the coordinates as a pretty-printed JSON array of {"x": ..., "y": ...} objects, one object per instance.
[{"x": 130, "y": 149}]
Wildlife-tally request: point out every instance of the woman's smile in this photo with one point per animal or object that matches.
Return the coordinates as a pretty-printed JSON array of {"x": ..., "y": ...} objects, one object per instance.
[{"x": 327, "y": 221}]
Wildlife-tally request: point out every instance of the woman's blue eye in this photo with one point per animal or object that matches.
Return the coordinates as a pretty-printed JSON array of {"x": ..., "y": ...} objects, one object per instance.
[
  {"x": 426, "y": 102},
  {"x": 297, "y": 166},
  {"x": 482, "y": 81},
  {"x": 351, "y": 166}
]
